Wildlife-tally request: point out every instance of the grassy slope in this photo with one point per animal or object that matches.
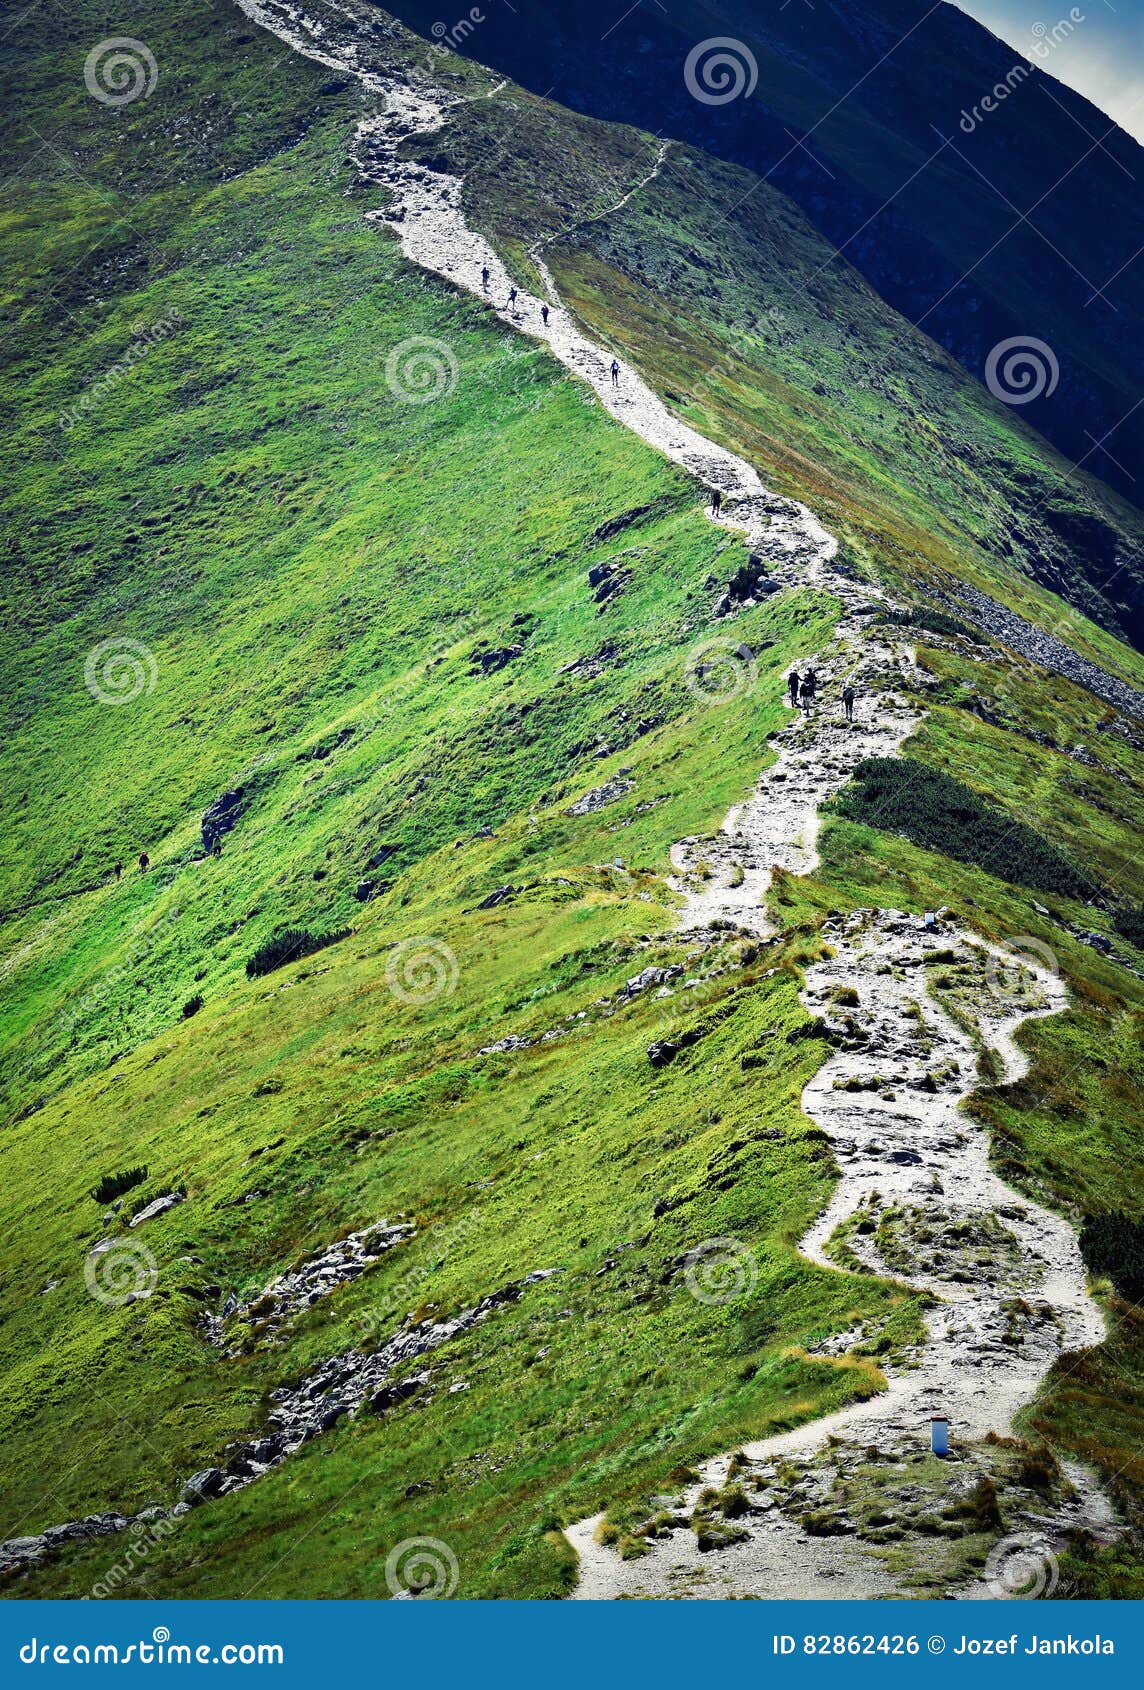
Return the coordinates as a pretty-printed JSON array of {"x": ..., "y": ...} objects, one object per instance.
[{"x": 305, "y": 563}]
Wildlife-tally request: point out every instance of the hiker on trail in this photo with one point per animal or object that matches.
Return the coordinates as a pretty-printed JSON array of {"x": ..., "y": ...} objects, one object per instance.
[
  {"x": 615, "y": 374},
  {"x": 511, "y": 298},
  {"x": 118, "y": 871},
  {"x": 793, "y": 680},
  {"x": 806, "y": 693},
  {"x": 848, "y": 701},
  {"x": 144, "y": 862},
  {"x": 485, "y": 277},
  {"x": 716, "y": 501},
  {"x": 810, "y": 682},
  {"x": 544, "y": 315}
]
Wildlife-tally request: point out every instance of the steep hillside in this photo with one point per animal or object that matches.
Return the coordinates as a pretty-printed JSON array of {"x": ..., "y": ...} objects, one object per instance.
[
  {"x": 424, "y": 640},
  {"x": 1022, "y": 220}
]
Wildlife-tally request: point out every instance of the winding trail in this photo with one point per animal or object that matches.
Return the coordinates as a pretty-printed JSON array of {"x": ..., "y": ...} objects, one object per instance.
[{"x": 1006, "y": 1274}]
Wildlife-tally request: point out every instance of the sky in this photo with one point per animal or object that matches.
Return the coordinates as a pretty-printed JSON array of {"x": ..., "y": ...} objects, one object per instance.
[{"x": 1102, "y": 57}]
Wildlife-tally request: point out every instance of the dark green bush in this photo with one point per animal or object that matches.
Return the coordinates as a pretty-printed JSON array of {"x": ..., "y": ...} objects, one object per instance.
[
  {"x": 192, "y": 1006},
  {"x": 935, "y": 811},
  {"x": 1129, "y": 923},
  {"x": 935, "y": 621},
  {"x": 112, "y": 1186},
  {"x": 1114, "y": 1245},
  {"x": 288, "y": 945}
]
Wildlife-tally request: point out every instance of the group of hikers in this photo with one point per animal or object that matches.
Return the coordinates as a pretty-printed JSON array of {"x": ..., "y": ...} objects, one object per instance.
[
  {"x": 804, "y": 689},
  {"x": 511, "y": 302}
]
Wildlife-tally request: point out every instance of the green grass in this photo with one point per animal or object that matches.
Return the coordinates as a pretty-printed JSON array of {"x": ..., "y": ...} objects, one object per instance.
[{"x": 313, "y": 567}]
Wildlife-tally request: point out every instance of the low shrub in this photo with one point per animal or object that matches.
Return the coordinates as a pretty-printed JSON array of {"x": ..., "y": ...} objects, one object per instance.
[
  {"x": 192, "y": 1006},
  {"x": 934, "y": 621},
  {"x": 112, "y": 1186},
  {"x": 1114, "y": 1245},
  {"x": 288, "y": 945},
  {"x": 1129, "y": 923},
  {"x": 939, "y": 813}
]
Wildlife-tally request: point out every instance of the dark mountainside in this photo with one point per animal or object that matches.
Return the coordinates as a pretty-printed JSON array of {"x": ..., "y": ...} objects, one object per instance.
[{"x": 1029, "y": 225}]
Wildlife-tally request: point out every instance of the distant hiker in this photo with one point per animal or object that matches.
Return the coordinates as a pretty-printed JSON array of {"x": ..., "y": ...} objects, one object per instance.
[
  {"x": 792, "y": 682},
  {"x": 485, "y": 277},
  {"x": 144, "y": 862},
  {"x": 615, "y": 374},
  {"x": 848, "y": 701},
  {"x": 544, "y": 315},
  {"x": 216, "y": 848},
  {"x": 806, "y": 693},
  {"x": 810, "y": 680},
  {"x": 118, "y": 871},
  {"x": 716, "y": 501},
  {"x": 511, "y": 298}
]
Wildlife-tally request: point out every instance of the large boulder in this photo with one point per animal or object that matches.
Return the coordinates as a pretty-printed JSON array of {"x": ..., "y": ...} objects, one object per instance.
[{"x": 221, "y": 815}]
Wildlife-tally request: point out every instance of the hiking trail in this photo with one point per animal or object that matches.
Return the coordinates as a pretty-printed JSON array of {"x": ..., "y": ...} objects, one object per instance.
[{"x": 1008, "y": 1284}]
